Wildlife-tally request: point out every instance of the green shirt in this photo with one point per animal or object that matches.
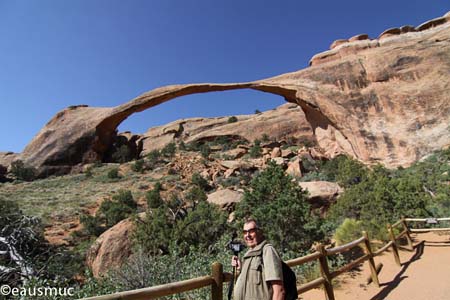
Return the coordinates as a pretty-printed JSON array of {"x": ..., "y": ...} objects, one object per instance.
[{"x": 261, "y": 264}]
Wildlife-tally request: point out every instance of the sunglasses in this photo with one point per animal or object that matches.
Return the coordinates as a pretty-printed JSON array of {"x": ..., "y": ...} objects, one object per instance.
[{"x": 250, "y": 231}]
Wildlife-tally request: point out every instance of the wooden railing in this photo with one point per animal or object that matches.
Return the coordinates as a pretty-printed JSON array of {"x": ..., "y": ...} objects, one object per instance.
[{"x": 217, "y": 277}]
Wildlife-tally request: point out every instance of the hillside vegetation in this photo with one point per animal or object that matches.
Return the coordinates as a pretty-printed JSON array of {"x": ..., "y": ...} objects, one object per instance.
[{"x": 179, "y": 233}]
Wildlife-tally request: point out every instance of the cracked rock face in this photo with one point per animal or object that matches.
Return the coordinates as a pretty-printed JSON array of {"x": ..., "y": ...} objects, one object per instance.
[{"x": 381, "y": 101}]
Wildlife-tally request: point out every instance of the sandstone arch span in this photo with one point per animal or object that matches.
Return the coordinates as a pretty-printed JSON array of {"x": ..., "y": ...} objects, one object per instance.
[{"x": 383, "y": 101}]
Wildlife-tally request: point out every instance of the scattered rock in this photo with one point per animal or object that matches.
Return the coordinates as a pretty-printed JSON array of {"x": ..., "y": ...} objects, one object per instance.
[
  {"x": 276, "y": 152},
  {"x": 294, "y": 168},
  {"x": 322, "y": 193}
]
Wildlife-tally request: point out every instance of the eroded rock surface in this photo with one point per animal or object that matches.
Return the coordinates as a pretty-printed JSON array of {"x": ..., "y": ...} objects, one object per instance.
[
  {"x": 286, "y": 121},
  {"x": 381, "y": 101}
]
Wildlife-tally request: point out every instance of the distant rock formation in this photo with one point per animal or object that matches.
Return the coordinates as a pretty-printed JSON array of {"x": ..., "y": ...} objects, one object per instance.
[
  {"x": 282, "y": 123},
  {"x": 381, "y": 101}
]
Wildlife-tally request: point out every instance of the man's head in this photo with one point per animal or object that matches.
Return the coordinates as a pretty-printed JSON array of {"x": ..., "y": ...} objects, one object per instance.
[{"x": 252, "y": 233}]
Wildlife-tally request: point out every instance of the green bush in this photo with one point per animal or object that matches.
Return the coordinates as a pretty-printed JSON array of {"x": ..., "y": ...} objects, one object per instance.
[
  {"x": 92, "y": 225},
  {"x": 169, "y": 150},
  {"x": 202, "y": 226},
  {"x": 138, "y": 166},
  {"x": 153, "y": 197},
  {"x": 232, "y": 119},
  {"x": 23, "y": 172},
  {"x": 120, "y": 207},
  {"x": 143, "y": 270},
  {"x": 154, "y": 233},
  {"x": 383, "y": 196},
  {"x": 122, "y": 154},
  {"x": 153, "y": 158},
  {"x": 255, "y": 151},
  {"x": 196, "y": 195},
  {"x": 281, "y": 207},
  {"x": 113, "y": 173},
  {"x": 348, "y": 231},
  {"x": 199, "y": 181},
  {"x": 265, "y": 138},
  {"x": 205, "y": 151}
]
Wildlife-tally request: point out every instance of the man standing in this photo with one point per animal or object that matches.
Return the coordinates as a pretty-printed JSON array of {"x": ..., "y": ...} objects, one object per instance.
[{"x": 261, "y": 274}]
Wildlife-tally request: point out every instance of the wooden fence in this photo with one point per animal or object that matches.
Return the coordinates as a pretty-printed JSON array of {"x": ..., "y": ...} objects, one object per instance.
[{"x": 217, "y": 277}]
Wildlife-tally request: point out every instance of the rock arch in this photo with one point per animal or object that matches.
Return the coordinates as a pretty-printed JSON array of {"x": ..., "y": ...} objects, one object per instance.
[{"x": 381, "y": 102}]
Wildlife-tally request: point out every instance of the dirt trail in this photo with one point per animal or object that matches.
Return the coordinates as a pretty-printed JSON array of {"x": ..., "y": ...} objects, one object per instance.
[{"x": 424, "y": 274}]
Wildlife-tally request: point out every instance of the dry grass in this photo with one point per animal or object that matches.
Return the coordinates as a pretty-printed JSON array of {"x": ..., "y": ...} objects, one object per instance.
[{"x": 58, "y": 198}]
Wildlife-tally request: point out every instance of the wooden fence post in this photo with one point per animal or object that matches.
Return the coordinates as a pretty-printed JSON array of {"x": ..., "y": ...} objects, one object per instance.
[
  {"x": 408, "y": 236},
  {"x": 394, "y": 245},
  {"x": 368, "y": 250},
  {"x": 329, "y": 294},
  {"x": 217, "y": 286}
]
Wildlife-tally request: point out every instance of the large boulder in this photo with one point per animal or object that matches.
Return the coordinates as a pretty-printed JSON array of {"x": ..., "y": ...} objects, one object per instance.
[
  {"x": 226, "y": 199},
  {"x": 111, "y": 248},
  {"x": 380, "y": 101},
  {"x": 321, "y": 193}
]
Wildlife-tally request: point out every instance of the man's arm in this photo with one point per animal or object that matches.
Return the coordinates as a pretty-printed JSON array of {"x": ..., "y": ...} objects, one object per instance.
[{"x": 278, "y": 289}]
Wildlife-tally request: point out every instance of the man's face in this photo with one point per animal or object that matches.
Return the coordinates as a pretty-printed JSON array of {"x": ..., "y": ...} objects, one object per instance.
[{"x": 252, "y": 235}]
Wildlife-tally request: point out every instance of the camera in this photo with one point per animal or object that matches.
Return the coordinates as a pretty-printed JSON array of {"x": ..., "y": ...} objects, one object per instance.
[{"x": 235, "y": 245}]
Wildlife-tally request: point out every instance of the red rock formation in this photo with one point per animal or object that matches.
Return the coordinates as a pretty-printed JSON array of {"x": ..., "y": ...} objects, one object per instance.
[
  {"x": 288, "y": 120},
  {"x": 381, "y": 101},
  {"x": 111, "y": 248}
]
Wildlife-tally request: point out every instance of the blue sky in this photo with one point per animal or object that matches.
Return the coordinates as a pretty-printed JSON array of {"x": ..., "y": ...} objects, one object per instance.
[{"x": 58, "y": 53}]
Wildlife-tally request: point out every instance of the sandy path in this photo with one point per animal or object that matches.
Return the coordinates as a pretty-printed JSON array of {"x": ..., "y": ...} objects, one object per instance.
[{"x": 424, "y": 274}]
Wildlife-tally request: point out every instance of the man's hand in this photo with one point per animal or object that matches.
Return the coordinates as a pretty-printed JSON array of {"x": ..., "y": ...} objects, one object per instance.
[
  {"x": 278, "y": 289},
  {"x": 235, "y": 262}
]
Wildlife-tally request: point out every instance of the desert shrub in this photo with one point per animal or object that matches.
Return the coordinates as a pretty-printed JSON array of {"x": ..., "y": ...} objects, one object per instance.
[
  {"x": 348, "y": 231},
  {"x": 154, "y": 232},
  {"x": 232, "y": 119},
  {"x": 153, "y": 158},
  {"x": 381, "y": 198},
  {"x": 170, "y": 223},
  {"x": 201, "y": 227},
  {"x": 92, "y": 225},
  {"x": 205, "y": 151},
  {"x": 169, "y": 150},
  {"x": 113, "y": 173},
  {"x": 182, "y": 146},
  {"x": 199, "y": 181},
  {"x": 255, "y": 150},
  {"x": 341, "y": 169},
  {"x": 138, "y": 166},
  {"x": 121, "y": 154},
  {"x": 88, "y": 173},
  {"x": 229, "y": 182},
  {"x": 23, "y": 172},
  {"x": 196, "y": 195},
  {"x": 257, "y": 112},
  {"x": 153, "y": 197},
  {"x": 281, "y": 207},
  {"x": 265, "y": 138},
  {"x": 120, "y": 207},
  {"x": 143, "y": 270}
]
